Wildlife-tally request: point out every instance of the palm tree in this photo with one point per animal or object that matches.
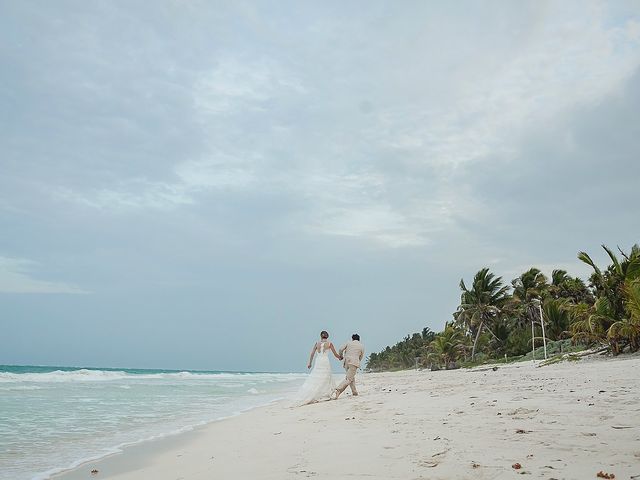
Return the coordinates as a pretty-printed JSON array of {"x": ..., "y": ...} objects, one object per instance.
[
  {"x": 501, "y": 328},
  {"x": 572, "y": 288},
  {"x": 591, "y": 323},
  {"x": 611, "y": 282},
  {"x": 481, "y": 304},
  {"x": 632, "y": 291},
  {"x": 627, "y": 330},
  {"x": 447, "y": 346},
  {"x": 558, "y": 277},
  {"x": 557, "y": 318},
  {"x": 531, "y": 284},
  {"x": 428, "y": 335},
  {"x": 528, "y": 288}
]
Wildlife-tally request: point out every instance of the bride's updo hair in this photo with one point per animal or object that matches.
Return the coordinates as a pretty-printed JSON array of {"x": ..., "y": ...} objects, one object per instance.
[{"x": 324, "y": 334}]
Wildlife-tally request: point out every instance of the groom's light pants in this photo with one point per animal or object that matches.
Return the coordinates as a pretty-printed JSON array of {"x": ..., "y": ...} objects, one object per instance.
[{"x": 349, "y": 380}]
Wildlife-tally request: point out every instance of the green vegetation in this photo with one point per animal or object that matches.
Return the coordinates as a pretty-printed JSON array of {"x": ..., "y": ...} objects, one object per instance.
[{"x": 494, "y": 320}]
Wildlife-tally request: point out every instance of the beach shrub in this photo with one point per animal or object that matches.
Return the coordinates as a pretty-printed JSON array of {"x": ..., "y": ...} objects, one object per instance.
[{"x": 519, "y": 342}]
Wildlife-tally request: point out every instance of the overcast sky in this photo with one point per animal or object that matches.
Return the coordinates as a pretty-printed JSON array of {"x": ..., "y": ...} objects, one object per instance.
[{"x": 197, "y": 184}]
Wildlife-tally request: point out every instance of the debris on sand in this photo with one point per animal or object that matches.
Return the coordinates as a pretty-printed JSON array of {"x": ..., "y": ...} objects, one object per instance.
[{"x": 602, "y": 474}]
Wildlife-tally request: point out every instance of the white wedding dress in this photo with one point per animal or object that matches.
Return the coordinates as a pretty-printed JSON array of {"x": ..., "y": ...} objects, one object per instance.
[{"x": 319, "y": 385}]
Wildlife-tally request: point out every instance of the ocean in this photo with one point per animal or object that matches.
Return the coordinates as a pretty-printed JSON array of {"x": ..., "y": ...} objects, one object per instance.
[{"x": 54, "y": 418}]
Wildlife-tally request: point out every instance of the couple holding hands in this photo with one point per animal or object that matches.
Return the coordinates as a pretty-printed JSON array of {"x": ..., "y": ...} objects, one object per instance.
[{"x": 319, "y": 385}]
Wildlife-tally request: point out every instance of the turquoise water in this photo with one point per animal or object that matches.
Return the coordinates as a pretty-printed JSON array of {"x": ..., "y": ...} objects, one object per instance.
[{"x": 53, "y": 418}]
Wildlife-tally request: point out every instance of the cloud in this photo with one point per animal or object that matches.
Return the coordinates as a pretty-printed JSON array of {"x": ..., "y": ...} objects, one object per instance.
[
  {"x": 565, "y": 62},
  {"x": 132, "y": 194},
  {"x": 362, "y": 150},
  {"x": 217, "y": 172},
  {"x": 237, "y": 87},
  {"x": 193, "y": 177},
  {"x": 16, "y": 277},
  {"x": 390, "y": 175}
]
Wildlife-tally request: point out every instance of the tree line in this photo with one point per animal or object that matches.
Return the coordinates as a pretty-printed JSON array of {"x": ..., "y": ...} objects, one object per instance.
[{"x": 495, "y": 320}]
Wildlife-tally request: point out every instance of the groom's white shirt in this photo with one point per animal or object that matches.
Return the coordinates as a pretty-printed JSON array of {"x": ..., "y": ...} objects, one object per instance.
[{"x": 352, "y": 352}]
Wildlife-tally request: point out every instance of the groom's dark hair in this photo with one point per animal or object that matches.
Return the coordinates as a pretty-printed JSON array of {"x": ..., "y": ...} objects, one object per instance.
[{"x": 355, "y": 336}]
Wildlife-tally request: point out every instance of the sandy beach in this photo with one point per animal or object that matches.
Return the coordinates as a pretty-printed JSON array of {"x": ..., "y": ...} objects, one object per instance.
[{"x": 563, "y": 421}]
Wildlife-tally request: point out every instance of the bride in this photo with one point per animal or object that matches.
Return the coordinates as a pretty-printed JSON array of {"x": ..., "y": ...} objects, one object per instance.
[{"x": 319, "y": 385}]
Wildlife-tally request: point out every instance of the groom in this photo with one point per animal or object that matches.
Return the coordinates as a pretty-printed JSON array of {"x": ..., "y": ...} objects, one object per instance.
[{"x": 351, "y": 353}]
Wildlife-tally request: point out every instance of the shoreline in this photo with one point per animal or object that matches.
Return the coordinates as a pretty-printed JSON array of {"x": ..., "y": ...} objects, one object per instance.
[
  {"x": 149, "y": 443},
  {"x": 58, "y": 420},
  {"x": 566, "y": 420}
]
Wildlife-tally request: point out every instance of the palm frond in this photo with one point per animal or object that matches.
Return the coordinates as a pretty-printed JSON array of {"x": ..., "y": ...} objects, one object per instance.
[
  {"x": 633, "y": 268},
  {"x": 584, "y": 256},
  {"x": 632, "y": 299},
  {"x": 614, "y": 259},
  {"x": 558, "y": 276}
]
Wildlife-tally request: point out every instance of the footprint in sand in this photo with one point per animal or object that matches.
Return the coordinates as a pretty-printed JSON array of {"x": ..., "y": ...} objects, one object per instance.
[{"x": 521, "y": 413}]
